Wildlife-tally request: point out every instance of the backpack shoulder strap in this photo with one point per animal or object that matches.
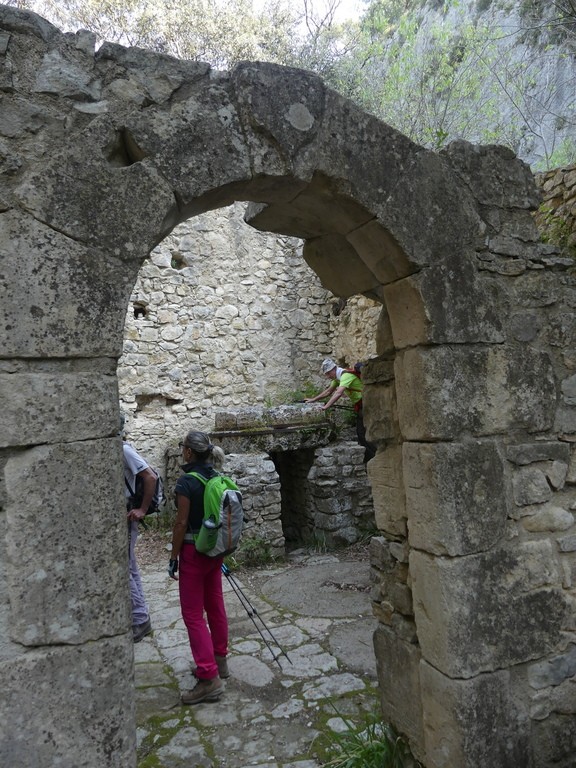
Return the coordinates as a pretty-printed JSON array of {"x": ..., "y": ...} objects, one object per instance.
[
  {"x": 203, "y": 480},
  {"x": 198, "y": 476}
]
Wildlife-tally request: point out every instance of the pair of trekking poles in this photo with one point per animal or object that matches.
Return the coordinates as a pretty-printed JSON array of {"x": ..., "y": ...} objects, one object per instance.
[{"x": 264, "y": 631}]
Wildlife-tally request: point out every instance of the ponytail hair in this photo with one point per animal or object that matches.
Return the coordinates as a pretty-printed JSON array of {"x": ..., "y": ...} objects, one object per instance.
[
  {"x": 200, "y": 443},
  {"x": 218, "y": 457}
]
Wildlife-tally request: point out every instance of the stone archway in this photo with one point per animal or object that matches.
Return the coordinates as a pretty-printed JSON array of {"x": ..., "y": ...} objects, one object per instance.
[{"x": 470, "y": 399}]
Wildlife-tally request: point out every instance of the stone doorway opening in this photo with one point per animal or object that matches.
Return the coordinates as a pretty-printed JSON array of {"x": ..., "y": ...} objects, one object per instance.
[
  {"x": 244, "y": 322},
  {"x": 296, "y": 509},
  {"x": 474, "y": 380}
]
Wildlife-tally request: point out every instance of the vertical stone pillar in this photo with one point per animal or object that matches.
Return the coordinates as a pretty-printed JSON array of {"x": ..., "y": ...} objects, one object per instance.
[{"x": 66, "y": 658}]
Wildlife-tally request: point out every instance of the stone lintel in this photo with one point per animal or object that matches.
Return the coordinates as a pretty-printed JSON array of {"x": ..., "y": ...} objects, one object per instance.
[
  {"x": 258, "y": 417},
  {"x": 273, "y": 441}
]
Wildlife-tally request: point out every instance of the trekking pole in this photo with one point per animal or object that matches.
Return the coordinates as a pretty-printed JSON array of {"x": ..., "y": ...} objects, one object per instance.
[{"x": 253, "y": 614}]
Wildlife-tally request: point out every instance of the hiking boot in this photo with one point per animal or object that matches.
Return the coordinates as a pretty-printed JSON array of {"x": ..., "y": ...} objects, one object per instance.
[
  {"x": 223, "y": 671},
  {"x": 204, "y": 690},
  {"x": 140, "y": 631}
]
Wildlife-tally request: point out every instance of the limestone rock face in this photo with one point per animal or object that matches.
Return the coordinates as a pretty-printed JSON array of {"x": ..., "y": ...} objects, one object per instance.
[{"x": 469, "y": 393}]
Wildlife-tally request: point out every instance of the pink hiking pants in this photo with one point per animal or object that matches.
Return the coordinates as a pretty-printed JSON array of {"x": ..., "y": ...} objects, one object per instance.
[{"x": 200, "y": 585}]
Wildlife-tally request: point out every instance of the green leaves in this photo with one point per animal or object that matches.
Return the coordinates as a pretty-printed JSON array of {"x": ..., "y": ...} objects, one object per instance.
[{"x": 376, "y": 745}]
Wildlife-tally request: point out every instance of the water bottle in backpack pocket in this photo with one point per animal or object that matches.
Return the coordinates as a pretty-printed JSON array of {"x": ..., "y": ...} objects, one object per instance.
[{"x": 207, "y": 536}]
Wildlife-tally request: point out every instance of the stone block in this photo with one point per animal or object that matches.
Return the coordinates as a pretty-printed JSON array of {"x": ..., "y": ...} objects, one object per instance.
[
  {"x": 487, "y": 611},
  {"x": 531, "y": 487},
  {"x": 380, "y": 413},
  {"x": 380, "y": 554},
  {"x": 399, "y": 551},
  {"x": 75, "y": 588},
  {"x": 444, "y": 391},
  {"x": 405, "y": 628},
  {"x": 454, "y": 499},
  {"x": 397, "y": 594},
  {"x": 407, "y": 313},
  {"x": 380, "y": 252},
  {"x": 525, "y": 326},
  {"x": 335, "y": 262},
  {"x": 386, "y": 481},
  {"x": 398, "y": 669},
  {"x": 79, "y": 203},
  {"x": 55, "y": 304},
  {"x": 548, "y": 517},
  {"x": 379, "y": 370},
  {"x": 571, "y": 476},
  {"x": 555, "y": 740},
  {"x": 556, "y": 472},
  {"x": 57, "y": 405},
  {"x": 384, "y": 337},
  {"x": 495, "y": 175},
  {"x": 567, "y": 543},
  {"x": 78, "y": 702},
  {"x": 565, "y": 422},
  {"x": 476, "y": 723},
  {"x": 442, "y": 305},
  {"x": 553, "y": 671}
]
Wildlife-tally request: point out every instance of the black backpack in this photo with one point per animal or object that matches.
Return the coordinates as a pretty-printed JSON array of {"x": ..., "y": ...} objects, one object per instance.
[{"x": 136, "y": 495}]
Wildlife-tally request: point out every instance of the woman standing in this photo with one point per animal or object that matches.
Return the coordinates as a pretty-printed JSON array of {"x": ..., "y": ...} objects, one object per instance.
[{"x": 200, "y": 583}]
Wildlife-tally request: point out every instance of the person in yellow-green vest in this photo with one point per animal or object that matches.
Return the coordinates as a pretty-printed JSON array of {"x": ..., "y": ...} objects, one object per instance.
[{"x": 344, "y": 381}]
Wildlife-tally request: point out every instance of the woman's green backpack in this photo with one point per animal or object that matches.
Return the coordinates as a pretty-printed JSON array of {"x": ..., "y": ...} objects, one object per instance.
[{"x": 223, "y": 516}]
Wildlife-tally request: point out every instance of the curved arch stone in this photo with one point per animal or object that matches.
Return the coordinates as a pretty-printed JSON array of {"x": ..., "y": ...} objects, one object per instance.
[{"x": 102, "y": 154}]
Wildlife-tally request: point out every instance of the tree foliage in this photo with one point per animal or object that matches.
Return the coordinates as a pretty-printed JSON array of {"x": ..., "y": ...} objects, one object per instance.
[
  {"x": 438, "y": 77},
  {"x": 221, "y": 33}
]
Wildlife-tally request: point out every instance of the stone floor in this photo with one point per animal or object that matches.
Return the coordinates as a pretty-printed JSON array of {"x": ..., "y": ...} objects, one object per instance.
[{"x": 274, "y": 713}]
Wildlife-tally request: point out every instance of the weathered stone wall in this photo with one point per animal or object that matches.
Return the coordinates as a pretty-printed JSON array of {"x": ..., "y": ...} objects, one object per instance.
[
  {"x": 300, "y": 471},
  {"x": 556, "y": 216},
  {"x": 497, "y": 532},
  {"x": 223, "y": 316},
  {"x": 340, "y": 500}
]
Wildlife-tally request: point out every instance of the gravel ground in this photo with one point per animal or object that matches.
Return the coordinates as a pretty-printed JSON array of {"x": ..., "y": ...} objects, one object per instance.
[{"x": 153, "y": 548}]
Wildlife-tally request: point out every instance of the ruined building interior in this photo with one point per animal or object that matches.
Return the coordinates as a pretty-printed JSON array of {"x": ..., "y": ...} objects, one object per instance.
[{"x": 468, "y": 391}]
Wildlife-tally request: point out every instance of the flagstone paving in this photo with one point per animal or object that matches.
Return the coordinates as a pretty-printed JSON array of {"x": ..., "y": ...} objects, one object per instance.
[{"x": 275, "y": 712}]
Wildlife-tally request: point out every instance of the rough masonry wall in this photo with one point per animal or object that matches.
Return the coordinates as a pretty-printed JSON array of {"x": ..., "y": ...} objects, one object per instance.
[
  {"x": 224, "y": 316},
  {"x": 483, "y": 519},
  {"x": 556, "y": 216},
  {"x": 470, "y": 396}
]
